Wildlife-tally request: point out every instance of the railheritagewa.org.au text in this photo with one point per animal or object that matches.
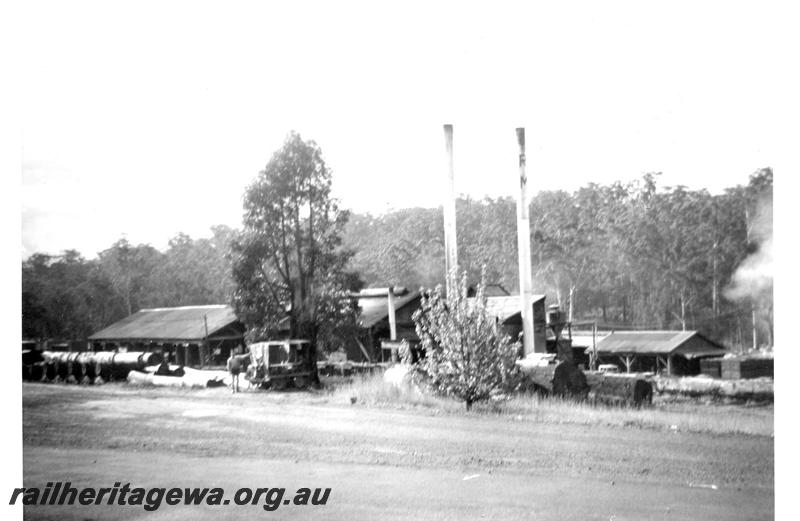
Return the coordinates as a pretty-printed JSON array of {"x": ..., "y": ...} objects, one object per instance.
[{"x": 152, "y": 498}]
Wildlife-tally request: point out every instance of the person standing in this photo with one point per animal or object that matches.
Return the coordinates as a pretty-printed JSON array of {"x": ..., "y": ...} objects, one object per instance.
[{"x": 234, "y": 368}]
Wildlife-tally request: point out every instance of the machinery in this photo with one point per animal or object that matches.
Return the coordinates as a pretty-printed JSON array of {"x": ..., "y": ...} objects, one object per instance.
[{"x": 278, "y": 364}]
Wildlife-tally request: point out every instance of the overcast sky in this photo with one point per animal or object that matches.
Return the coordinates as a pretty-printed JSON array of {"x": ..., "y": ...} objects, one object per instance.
[{"x": 150, "y": 118}]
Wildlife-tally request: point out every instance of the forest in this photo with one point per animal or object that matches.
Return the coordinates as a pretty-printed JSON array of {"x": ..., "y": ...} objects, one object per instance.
[{"x": 626, "y": 255}]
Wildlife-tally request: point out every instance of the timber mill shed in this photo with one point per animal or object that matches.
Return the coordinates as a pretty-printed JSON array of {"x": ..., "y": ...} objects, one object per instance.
[
  {"x": 673, "y": 352},
  {"x": 385, "y": 318},
  {"x": 192, "y": 335},
  {"x": 388, "y": 321},
  {"x": 507, "y": 312}
]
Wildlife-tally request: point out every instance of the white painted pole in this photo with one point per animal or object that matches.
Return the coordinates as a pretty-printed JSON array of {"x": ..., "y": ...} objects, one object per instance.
[
  {"x": 451, "y": 251},
  {"x": 392, "y": 318},
  {"x": 524, "y": 249}
]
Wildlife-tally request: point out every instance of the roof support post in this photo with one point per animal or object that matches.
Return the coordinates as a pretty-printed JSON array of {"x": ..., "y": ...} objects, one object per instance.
[
  {"x": 204, "y": 345},
  {"x": 628, "y": 361}
]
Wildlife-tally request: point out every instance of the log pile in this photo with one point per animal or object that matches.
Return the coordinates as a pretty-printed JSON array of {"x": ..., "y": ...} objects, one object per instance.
[
  {"x": 179, "y": 377},
  {"x": 567, "y": 380},
  {"x": 746, "y": 367},
  {"x": 619, "y": 389},
  {"x": 348, "y": 368},
  {"x": 756, "y": 389},
  {"x": 84, "y": 367},
  {"x": 563, "y": 379}
]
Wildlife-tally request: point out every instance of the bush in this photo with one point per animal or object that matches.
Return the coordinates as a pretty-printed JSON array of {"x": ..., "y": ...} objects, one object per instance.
[{"x": 467, "y": 356}]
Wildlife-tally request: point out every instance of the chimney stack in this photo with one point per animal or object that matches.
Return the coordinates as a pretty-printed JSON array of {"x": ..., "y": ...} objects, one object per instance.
[
  {"x": 392, "y": 315},
  {"x": 524, "y": 249},
  {"x": 451, "y": 251}
]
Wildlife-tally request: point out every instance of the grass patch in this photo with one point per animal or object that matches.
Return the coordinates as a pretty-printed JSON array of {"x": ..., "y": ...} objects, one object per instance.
[
  {"x": 373, "y": 391},
  {"x": 716, "y": 419}
]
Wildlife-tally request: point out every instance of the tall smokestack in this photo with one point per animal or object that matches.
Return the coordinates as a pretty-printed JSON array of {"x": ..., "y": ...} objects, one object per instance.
[
  {"x": 392, "y": 315},
  {"x": 524, "y": 248},
  {"x": 450, "y": 249}
]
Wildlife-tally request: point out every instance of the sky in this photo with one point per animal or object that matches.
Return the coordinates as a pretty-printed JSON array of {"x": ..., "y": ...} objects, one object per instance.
[{"x": 146, "y": 119}]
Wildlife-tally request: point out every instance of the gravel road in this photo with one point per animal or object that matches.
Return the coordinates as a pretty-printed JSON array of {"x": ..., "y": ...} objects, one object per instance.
[{"x": 384, "y": 463}]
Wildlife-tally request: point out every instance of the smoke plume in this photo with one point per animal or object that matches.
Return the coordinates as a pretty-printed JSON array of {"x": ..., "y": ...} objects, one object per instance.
[{"x": 753, "y": 278}]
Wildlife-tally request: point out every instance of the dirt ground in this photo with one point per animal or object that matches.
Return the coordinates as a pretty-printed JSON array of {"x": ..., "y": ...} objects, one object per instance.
[{"x": 380, "y": 463}]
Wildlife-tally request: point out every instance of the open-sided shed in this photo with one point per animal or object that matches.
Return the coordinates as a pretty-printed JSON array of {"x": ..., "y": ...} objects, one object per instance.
[
  {"x": 192, "y": 335},
  {"x": 676, "y": 352}
]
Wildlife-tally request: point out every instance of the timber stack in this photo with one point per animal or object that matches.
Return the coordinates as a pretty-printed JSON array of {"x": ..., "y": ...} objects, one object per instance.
[
  {"x": 619, "y": 389},
  {"x": 565, "y": 379},
  {"x": 743, "y": 390},
  {"x": 84, "y": 367}
]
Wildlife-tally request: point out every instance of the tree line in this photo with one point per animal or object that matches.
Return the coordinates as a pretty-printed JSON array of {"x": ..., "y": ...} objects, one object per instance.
[
  {"x": 69, "y": 297},
  {"x": 626, "y": 255}
]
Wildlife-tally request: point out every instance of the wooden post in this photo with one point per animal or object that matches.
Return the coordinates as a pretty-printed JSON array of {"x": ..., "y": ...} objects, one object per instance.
[
  {"x": 524, "y": 250},
  {"x": 669, "y": 365},
  {"x": 628, "y": 361},
  {"x": 451, "y": 250},
  {"x": 594, "y": 346},
  {"x": 364, "y": 350}
]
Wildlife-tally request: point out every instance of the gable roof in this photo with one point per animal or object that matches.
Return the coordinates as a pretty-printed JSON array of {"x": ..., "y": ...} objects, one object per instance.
[
  {"x": 374, "y": 308},
  {"x": 181, "y": 323},
  {"x": 659, "y": 342}
]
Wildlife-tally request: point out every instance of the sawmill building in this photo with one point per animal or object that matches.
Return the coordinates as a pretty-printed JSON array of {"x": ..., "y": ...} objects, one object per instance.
[
  {"x": 379, "y": 314},
  {"x": 506, "y": 310},
  {"x": 194, "y": 336},
  {"x": 385, "y": 318}
]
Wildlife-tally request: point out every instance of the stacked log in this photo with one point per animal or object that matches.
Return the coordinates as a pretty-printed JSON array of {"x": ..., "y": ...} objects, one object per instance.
[
  {"x": 189, "y": 378},
  {"x": 35, "y": 371},
  {"x": 619, "y": 389},
  {"x": 563, "y": 379},
  {"x": 49, "y": 371},
  {"x": 736, "y": 368},
  {"x": 757, "y": 389},
  {"x": 31, "y": 356},
  {"x": 85, "y": 367},
  {"x": 61, "y": 369}
]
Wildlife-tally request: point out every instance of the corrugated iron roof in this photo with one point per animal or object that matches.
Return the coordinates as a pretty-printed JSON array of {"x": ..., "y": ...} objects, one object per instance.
[
  {"x": 181, "y": 323},
  {"x": 584, "y": 340},
  {"x": 656, "y": 342},
  {"x": 376, "y": 308},
  {"x": 379, "y": 292},
  {"x": 503, "y": 308}
]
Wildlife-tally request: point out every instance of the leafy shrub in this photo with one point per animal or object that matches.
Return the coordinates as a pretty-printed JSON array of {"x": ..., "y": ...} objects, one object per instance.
[{"x": 467, "y": 355}]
